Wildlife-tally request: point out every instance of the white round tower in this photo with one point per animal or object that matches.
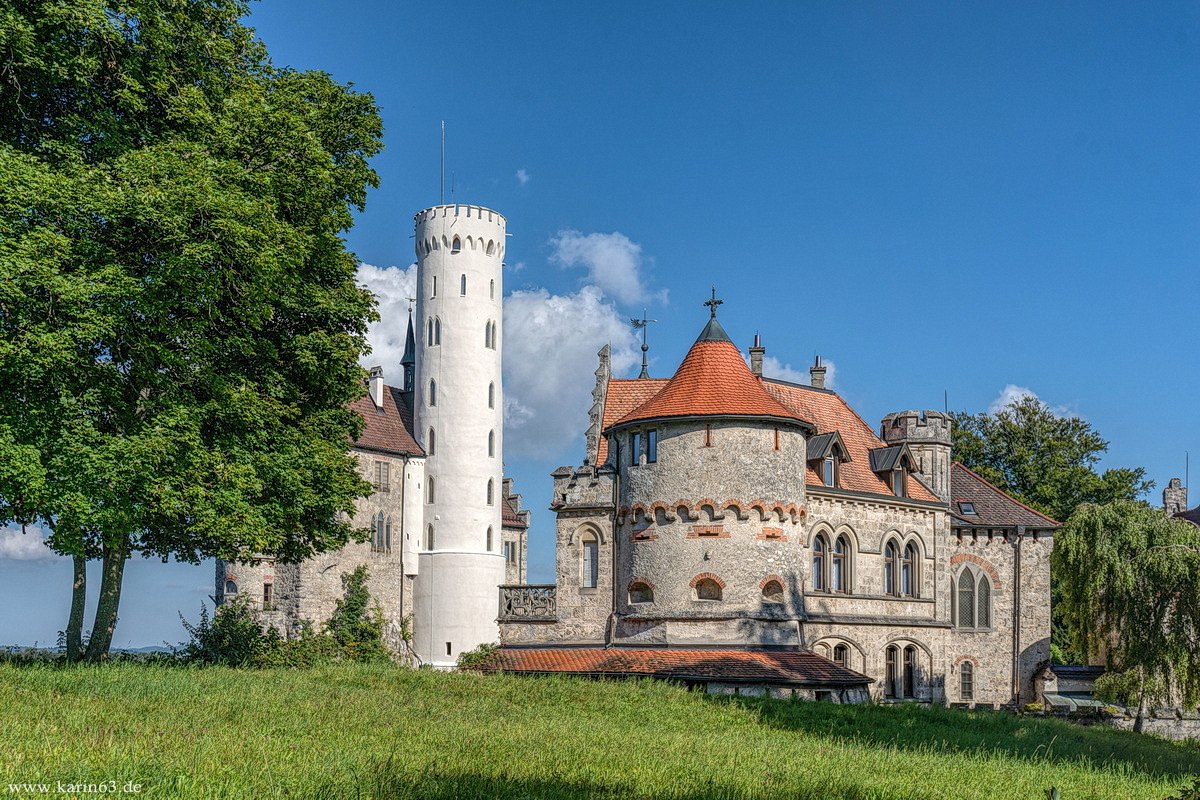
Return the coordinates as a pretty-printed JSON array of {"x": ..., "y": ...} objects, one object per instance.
[{"x": 458, "y": 414}]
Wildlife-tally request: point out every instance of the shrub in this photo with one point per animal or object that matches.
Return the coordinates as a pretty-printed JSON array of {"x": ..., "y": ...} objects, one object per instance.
[
  {"x": 473, "y": 658},
  {"x": 357, "y": 623},
  {"x": 231, "y": 637}
]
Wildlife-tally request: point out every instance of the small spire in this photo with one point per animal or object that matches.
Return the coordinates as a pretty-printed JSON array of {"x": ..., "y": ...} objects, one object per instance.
[
  {"x": 409, "y": 359},
  {"x": 642, "y": 323},
  {"x": 714, "y": 302}
]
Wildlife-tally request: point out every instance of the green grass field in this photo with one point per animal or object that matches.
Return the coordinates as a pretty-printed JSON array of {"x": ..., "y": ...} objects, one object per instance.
[{"x": 364, "y": 731}]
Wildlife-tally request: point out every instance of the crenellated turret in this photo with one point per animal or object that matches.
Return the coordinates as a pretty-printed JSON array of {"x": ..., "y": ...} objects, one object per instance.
[{"x": 928, "y": 436}]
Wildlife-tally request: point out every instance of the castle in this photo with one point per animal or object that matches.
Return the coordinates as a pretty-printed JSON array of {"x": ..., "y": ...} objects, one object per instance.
[
  {"x": 446, "y": 529},
  {"x": 725, "y": 528},
  {"x": 746, "y": 534}
]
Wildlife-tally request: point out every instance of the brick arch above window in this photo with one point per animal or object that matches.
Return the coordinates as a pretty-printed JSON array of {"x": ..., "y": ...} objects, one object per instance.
[
  {"x": 706, "y": 576},
  {"x": 982, "y": 563}
]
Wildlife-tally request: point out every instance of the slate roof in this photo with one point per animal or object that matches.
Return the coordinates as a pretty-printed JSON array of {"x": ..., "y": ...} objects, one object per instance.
[
  {"x": 390, "y": 429},
  {"x": 713, "y": 380},
  {"x": 742, "y": 666},
  {"x": 829, "y": 412},
  {"x": 994, "y": 508}
]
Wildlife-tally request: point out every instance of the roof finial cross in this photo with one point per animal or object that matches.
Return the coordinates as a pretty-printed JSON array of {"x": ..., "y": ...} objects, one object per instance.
[
  {"x": 714, "y": 302},
  {"x": 641, "y": 323},
  {"x": 410, "y": 300}
]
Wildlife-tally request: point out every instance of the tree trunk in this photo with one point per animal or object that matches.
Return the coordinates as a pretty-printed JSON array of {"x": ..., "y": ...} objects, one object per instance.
[
  {"x": 74, "y": 641},
  {"x": 110, "y": 599},
  {"x": 1140, "y": 719}
]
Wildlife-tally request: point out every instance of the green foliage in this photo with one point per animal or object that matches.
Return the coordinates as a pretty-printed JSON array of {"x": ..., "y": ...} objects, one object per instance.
[
  {"x": 235, "y": 637},
  {"x": 1130, "y": 582},
  {"x": 473, "y": 658},
  {"x": 179, "y": 319},
  {"x": 1188, "y": 792},
  {"x": 1044, "y": 460},
  {"x": 357, "y": 623},
  {"x": 232, "y": 637},
  {"x": 367, "y": 730}
]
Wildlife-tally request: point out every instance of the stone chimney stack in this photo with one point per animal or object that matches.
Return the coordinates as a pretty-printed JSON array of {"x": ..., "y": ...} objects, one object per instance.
[
  {"x": 375, "y": 386},
  {"x": 1175, "y": 497},
  {"x": 817, "y": 371},
  {"x": 756, "y": 356}
]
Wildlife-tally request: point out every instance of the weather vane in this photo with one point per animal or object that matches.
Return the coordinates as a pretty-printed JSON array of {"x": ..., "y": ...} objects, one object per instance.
[
  {"x": 714, "y": 302},
  {"x": 641, "y": 324},
  {"x": 410, "y": 300}
]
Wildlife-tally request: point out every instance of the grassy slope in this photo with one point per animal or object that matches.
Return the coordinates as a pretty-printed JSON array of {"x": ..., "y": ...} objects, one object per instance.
[{"x": 371, "y": 731}]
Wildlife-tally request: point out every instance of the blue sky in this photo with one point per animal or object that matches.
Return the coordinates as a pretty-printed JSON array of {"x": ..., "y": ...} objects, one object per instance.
[{"x": 941, "y": 199}]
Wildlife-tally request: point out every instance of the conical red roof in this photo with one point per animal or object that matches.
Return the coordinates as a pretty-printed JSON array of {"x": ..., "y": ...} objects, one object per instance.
[{"x": 713, "y": 380}]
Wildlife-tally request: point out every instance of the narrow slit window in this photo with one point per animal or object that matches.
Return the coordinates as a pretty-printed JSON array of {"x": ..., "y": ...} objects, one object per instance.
[{"x": 652, "y": 445}]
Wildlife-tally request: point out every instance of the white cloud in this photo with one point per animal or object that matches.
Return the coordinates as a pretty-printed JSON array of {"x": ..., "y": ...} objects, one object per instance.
[
  {"x": 550, "y": 345},
  {"x": 1012, "y": 393},
  {"x": 523, "y": 176},
  {"x": 24, "y": 546},
  {"x": 774, "y": 368},
  {"x": 614, "y": 263},
  {"x": 1009, "y": 395},
  {"x": 392, "y": 287}
]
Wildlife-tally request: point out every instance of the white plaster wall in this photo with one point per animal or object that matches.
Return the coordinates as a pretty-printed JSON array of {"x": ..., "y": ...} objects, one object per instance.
[{"x": 459, "y": 603}]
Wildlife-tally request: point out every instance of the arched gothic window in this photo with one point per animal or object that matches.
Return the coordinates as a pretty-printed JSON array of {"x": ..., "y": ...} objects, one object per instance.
[
  {"x": 431, "y": 443},
  {"x": 432, "y": 392},
  {"x": 437, "y": 330},
  {"x": 456, "y": 246},
  {"x": 491, "y": 395},
  {"x": 230, "y": 587},
  {"x": 832, "y": 564},
  {"x": 971, "y": 603},
  {"x": 966, "y": 681},
  {"x": 429, "y": 491},
  {"x": 908, "y": 570},
  {"x": 901, "y": 665},
  {"x": 489, "y": 539},
  {"x": 492, "y": 290},
  {"x": 462, "y": 285},
  {"x": 589, "y": 567},
  {"x": 429, "y": 538},
  {"x": 490, "y": 491},
  {"x": 491, "y": 444},
  {"x": 889, "y": 568},
  {"x": 841, "y": 655}
]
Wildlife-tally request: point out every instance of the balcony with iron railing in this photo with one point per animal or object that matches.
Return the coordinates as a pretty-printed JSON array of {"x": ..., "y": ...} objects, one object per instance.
[{"x": 528, "y": 603}]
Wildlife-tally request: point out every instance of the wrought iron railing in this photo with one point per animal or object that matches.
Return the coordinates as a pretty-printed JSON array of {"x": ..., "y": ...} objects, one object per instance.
[{"x": 528, "y": 603}]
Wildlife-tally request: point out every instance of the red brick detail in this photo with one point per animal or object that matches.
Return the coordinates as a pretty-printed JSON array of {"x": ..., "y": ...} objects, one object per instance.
[
  {"x": 229, "y": 576},
  {"x": 639, "y": 580},
  {"x": 774, "y": 534},
  {"x": 763, "y": 583},
  {"x": 708, "y": 575},
  {"x": 708, "y": 532},
  {"x": 984, "y": 563},
  {"x": 961, "y": 659},
  {"x": 644, "y": 535}
]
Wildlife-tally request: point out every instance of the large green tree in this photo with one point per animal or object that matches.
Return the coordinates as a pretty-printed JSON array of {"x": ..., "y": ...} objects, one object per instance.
[
  {"x": 179, "y": 319},
  {"x": 1129, "y": 578},
  {"x": 1044, "y": 460}
]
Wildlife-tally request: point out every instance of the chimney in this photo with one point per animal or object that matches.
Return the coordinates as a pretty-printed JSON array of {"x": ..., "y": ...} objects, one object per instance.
[
  {"x": 375, "y": 386},
  {"x": 817, "y": 372},
  {"x": 756, "y": 356}
]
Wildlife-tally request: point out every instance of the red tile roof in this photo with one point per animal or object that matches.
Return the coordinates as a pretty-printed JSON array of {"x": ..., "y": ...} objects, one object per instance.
[
  {"x": 509, "y": 517},
  {"x": 829, "y": 412},
  {"x": 713, "y": 380},
  {"x": 747, "y": 666},
  {"x": 622, "y": 397},
  {"x": 389, "y": 429},
  {"x": 1192, "y": 516},
  {"x": 993, "y": 508}
]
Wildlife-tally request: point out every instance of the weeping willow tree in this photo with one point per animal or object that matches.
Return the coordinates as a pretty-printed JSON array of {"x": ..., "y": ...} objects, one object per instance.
[{"x": 1130, "y": 582}]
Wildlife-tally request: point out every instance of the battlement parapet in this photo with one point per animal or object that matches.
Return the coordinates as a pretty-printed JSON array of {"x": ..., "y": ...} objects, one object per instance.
[
  {"x": 929, "y": 426},
  {"x": 458, "y": 210}
]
